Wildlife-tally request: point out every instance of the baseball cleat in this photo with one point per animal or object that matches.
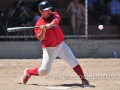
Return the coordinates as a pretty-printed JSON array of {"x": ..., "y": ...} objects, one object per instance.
[
  {"x": 25, "y": 77},
  {"x": 85, "y": 83}
]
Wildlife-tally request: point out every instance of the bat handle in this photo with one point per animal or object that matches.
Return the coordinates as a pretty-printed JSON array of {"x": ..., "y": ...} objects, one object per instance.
[{"x": 37, "y": 26}]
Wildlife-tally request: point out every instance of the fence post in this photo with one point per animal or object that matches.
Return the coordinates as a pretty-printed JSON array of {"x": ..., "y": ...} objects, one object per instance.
[{"x": 86, "y": 19}]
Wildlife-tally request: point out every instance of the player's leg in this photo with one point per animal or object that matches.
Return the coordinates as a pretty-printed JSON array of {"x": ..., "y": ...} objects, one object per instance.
[
  {"x": 49, "y": 54},
  {"x": 67, "y": 55}
]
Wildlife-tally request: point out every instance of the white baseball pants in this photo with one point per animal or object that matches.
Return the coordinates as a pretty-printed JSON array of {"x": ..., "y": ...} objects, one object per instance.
[{"x": 50, "y": 53}]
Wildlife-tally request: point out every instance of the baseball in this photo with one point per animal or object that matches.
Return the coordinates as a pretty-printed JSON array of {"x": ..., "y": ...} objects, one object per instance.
[{"x": 100, "y": 27}]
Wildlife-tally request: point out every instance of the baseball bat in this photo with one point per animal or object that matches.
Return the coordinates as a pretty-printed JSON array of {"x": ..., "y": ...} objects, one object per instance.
[{"x": 15, "y": 29}]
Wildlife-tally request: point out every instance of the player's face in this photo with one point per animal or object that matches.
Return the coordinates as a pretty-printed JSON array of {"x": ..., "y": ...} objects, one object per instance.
[{"x": 46, "y": 14}]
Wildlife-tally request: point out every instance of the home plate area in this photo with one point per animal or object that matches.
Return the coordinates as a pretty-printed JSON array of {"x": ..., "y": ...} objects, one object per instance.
[
  {"x": 104, "y": 74},
  {"x": 59, "y": 88},
  {"x": 68, "y": 87}
]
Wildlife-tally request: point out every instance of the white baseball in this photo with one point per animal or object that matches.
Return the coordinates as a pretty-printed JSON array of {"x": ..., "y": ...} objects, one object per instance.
[{"x": 100, "y": 27}]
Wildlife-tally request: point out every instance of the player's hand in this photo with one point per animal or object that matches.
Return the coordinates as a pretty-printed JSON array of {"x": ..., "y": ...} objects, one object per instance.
[
  {"x": 48, "y": 26},
  {"x": 43, "y": 27}
]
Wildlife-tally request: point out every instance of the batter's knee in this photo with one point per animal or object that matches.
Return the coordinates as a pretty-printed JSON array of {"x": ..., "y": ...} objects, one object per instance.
[{"x": 42, "y": 72}]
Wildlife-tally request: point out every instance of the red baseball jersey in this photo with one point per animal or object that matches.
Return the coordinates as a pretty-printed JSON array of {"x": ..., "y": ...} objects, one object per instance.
[{"x": 54, "y": 35}]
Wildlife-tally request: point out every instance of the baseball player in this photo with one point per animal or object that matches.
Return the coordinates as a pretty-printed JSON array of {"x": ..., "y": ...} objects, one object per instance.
[{"x": 51, "y": 36}]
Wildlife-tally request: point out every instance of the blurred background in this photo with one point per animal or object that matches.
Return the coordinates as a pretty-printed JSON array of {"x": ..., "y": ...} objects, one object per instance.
[{"x": 80, "y": 18}]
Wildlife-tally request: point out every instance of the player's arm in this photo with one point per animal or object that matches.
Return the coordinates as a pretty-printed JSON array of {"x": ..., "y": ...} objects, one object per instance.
[
  {"x": 41, "y": 35},
  {"x": 54, "y": 23}
]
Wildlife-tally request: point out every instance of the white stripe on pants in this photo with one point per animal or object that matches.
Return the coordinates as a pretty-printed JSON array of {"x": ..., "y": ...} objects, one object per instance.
[{"x": 50, "y": 53}]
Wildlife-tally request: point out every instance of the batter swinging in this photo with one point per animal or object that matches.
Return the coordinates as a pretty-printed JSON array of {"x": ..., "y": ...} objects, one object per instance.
[{"x": 53, "y": 45}]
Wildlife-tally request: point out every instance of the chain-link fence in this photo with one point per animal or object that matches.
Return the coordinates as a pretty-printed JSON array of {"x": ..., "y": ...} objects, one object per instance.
[{"x": 79, "y": 20}]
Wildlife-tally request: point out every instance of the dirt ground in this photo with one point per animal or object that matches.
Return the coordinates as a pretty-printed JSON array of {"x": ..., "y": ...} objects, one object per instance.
[{"x": 103, "y": 73}]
